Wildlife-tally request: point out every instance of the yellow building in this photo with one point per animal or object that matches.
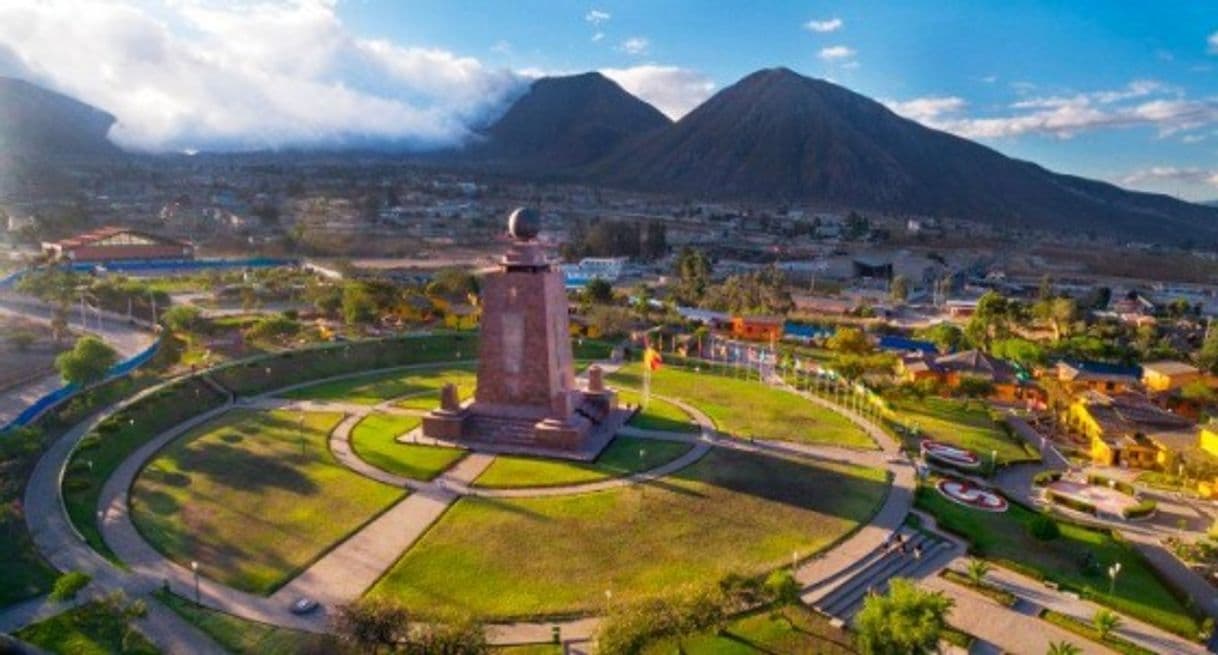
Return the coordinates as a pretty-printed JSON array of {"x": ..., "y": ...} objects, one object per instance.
[
  {"x": 1126, "y": 429},
  {"x": 1208, "y": 441},
  {"x": 1162, "y": 376},
  {"x": 460, "y": 316}
]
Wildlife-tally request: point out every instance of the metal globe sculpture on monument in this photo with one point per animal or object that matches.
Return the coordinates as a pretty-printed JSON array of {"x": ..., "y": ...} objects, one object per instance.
[{"x": 524, "y": 224}]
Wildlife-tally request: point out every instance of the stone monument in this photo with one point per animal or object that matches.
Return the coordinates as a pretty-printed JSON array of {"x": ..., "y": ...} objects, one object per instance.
[{"x": 527, "y": 399}]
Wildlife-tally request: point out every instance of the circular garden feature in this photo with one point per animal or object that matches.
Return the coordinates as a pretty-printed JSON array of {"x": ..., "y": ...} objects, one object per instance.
[{"x": 971, "y": 495}]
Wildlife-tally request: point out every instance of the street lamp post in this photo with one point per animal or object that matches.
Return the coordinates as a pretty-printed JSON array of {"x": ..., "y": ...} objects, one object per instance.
[
  {"x": 194, "y": 567},
  {"x": 1112, "y": 576},
  {"x": 994, "y": 461}
]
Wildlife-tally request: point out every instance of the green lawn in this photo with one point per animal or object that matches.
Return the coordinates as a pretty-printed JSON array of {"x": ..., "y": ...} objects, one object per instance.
[
  {"x": 963, "y": 423},
  {"x": 379, "y": 387},
  {"x": 243, "y": 637},
  {"x": 730, "y": 512},
  {"x": 748, "y": 408},
  {"x": 621, "y": 457},
  {"x": 373, "y": 439},
  {"x": 23, "y": 572},
  {"x": 1004, "y": 538},
  {"x": 797, "y": 631},
  {"x": 658, "y": 415},
  {"x": 430, "y": 398},
  {"x": 92, "y": 629},
  {"x": 242, "y": 497},
  {"x": 105, "y": 448}
]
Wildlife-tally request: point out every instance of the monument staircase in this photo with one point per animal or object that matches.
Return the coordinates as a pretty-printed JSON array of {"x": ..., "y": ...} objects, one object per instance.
[
  {"x": 500, "y": 429},
  {"x": 843, "y": 596}
]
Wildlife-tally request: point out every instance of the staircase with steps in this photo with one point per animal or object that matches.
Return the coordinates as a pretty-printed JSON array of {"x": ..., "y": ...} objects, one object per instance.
[
  {"x": 844, "y": 599},
  {"x": 500, "y": 429}
]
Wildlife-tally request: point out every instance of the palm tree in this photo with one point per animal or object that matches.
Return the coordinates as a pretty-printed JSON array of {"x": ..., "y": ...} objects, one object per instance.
[
  {"x": 977, "y": 570},
  {"x": 1105, "y": 621},
  {"x": 1063, "y": 648}
]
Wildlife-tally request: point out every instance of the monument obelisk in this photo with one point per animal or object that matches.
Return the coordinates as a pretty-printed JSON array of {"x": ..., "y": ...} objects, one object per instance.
[{"x": 527, "y": 399}]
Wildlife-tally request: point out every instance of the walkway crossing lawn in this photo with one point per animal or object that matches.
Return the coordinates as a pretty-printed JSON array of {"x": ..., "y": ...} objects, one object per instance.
[
  {"x": 254, "y": 497},
  {"x": 243, "y": 637},
  {"x": 623, "y": 456},
  {"x": 373, "y": 440},
  {"x": 963, "y": 423},
  {"x": 730, "y": 512},
  {"x": 658, "y": 415},
  {"x": 793, "y": 631},
  {"x": 1004, "y": 538},
  {"x": 749, "y": 408},
  {"x": 97, "y": 628},
  {"x": 379, "y": 387}
]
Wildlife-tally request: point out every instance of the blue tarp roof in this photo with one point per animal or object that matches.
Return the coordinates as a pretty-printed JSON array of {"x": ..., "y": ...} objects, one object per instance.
[
  {"x": 806, "y": 331},
  {"x": 893, "y": 342}
]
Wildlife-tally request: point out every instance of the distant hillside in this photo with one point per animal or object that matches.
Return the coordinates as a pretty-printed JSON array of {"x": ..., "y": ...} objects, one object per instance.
[
  {"x": 776, "y": 134},
  {"x": 35, "y": 121},
  {"x": 566, "y": 121}
]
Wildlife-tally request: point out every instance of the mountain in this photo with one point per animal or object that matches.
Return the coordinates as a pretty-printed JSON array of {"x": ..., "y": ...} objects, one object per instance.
[
  {"x": 35, "y": 121},
  {"x": 563, "y": 122},
  {"x": 1211, "y": 203},
  {"x": 779, "y": 135}
]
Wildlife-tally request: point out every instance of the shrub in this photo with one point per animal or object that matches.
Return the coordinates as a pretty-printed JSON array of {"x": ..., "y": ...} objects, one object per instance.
[
  {"x": 1045, "y": 478},
  {"x": 68, "y": 584},
  {"x": 1044, "y": 528},
  {"x": 1104, "y": 481},
  {"x": 1144, "y": 508},
  {"x": 1072, "y": 503}
]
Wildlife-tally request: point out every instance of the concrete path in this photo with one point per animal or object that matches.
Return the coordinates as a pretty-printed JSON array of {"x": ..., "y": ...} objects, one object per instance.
[
  {"x": 65, "y": 550},
  {"x": 1032, "y": 591},
  {"x": 1003, "y": 629},
  {"x": 352, "y": 566},
  {"x": 128, "y": 340}
]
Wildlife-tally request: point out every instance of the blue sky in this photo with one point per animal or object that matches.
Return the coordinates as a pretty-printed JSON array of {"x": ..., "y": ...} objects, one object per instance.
[{"x": 1120, "y": 90}]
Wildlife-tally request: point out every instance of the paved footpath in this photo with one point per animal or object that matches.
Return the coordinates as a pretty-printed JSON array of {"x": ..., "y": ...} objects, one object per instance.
[{"x": 350, "y": 568}]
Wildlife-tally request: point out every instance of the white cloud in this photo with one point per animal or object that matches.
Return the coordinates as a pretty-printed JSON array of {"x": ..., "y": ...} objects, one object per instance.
[
  {"x": 824, "y": 26},
  {"x": 598, "y": 37},
  {"x": 670, "y": 89},
  {"x": 596, "y": 16},
  {"x": 1213, "y": 42},
  {"x": 836, "y": 53},
  {"x": 1141, "y": 103},
  {"x": 635, "y": 45},
  {"x": 196, "y": 75},
  {"x": 1171, "y": 174},
  {"x": 927, "y": 109},
  {"x": 502, "y": 47}
]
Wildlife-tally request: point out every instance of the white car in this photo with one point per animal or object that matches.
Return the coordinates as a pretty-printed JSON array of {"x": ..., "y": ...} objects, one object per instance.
[{"x": 303, "y": 605}]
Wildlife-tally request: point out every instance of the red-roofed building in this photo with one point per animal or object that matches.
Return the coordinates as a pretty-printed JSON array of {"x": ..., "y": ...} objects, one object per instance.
[{"x": 118, "y": 243}]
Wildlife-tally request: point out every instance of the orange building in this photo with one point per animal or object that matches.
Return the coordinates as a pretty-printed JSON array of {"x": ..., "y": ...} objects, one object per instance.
[
  {"x": 109, "y": 244},
  {"x": 757, "y": 328}
]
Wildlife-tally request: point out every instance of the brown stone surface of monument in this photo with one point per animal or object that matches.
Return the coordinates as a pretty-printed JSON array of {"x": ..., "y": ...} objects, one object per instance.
[{"x": 527, "y": 399}]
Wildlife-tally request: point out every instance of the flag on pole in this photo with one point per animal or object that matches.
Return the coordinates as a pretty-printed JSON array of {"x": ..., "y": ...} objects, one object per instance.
[{"x": 652, "y": 359}]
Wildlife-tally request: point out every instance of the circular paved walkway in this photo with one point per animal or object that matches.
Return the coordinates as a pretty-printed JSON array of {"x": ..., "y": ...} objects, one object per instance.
[{"x": 343, "y": 574}]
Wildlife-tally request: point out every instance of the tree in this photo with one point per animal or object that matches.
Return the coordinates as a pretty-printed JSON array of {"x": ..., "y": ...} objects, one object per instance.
[
  {"x": 1021, "y": 351},
  {"x": 1105, "y": 621},
  {"x": 371, "y": 625},
  {"x": 849, "y": 340},
  {"x": 945, "y": 336},
  {"x": 1063, "y": 313},
  {"x": 358, "y": 305},
  {"x": 598, "y": 291},
  {"x": 453, "y": 282},
  {"x": 898, "y": 288},
  {"x": 87, "y": 361},
  {"x": 181, "y": 318},
  {"x": 693, "y": 270},
  {"x": 1207, "y": 356},
  {"x": 1198, "y": 392},
  {"x": 908, "y": 619},
  {"x": 990, "y": 320},
  {"x": 977, "y": 570},
  {"x": 1063, "y": 648}
]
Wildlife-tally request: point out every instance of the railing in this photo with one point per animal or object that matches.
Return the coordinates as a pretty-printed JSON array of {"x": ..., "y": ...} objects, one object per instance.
[{"x": 54, "y": 398}]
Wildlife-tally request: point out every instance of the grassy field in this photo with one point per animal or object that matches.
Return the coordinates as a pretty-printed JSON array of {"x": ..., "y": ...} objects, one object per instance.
[
  {"x": 796, "y": 631},
  {"x": 730, "y": 512},
  {"x": 621, "y": 457},
  {"x": 963, "y": 423},
  {"x": 379, "y": 387},
  {"x": 114, "y": 440},
  {"x": 1004, "y": 538},
  {"x": 658, "y": 415},
  {"x": 373, "y": 439},
  {"x": 748, "y": 408},
  {"x": 430, "y": 398},
  {"x": 92, "y": 629},
  {"x": 242, "y": 637},
  {"x": 250, "y": 501}
]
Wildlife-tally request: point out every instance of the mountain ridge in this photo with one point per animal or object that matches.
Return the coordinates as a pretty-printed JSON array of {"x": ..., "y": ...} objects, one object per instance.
[{"x": 37, "y": 121}]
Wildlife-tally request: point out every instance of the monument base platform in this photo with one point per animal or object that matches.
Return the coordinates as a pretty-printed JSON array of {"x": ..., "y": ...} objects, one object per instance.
[{"x": 579, "y": 440}]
